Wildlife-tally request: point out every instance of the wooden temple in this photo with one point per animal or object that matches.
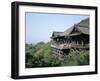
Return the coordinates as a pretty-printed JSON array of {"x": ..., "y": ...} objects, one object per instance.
[{"x": 76, "y": 36}]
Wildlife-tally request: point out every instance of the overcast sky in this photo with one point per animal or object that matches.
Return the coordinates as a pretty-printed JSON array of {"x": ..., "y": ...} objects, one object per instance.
[{"x": 40, "y": 26}]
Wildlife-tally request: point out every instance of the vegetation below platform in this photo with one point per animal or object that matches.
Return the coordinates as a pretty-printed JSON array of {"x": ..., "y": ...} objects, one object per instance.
[{"x": 41, "y": 55}]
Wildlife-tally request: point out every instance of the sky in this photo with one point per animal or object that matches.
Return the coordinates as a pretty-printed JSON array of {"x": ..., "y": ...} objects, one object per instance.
[{"x": 40, "y": 26}]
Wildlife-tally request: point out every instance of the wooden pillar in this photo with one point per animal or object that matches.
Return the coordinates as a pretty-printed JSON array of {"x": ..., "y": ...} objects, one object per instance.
[
  {"x": 77, "y": 43},
  {"x": 82, "y": 43}
]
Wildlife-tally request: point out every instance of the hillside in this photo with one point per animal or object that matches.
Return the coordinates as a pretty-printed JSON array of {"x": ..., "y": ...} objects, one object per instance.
[{"x": 40, "y": 55}]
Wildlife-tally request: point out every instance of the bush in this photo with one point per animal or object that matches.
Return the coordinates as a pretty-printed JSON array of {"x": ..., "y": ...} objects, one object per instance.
[{"x": 77, "y": 57}]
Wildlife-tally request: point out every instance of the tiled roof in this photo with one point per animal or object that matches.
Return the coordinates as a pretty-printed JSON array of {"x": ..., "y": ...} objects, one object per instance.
[{"x": 82, "y": 27}]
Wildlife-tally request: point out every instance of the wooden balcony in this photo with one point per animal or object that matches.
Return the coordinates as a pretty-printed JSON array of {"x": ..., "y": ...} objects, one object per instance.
[{"x": 70, "y": 45}]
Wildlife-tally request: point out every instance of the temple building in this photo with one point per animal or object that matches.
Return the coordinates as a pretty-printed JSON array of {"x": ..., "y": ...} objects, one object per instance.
[{"x": 76, "y": 36}]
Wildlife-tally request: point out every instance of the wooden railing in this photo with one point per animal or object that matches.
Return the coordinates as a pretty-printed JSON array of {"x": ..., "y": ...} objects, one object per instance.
[{"x": 67, "y": 46}]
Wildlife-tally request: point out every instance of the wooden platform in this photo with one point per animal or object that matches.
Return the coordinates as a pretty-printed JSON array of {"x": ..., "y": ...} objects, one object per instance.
[{"x": 68, "y": 46}]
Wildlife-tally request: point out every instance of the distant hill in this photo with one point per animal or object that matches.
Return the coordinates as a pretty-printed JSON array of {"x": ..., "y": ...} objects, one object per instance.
[{"x": 39, "y": 45}]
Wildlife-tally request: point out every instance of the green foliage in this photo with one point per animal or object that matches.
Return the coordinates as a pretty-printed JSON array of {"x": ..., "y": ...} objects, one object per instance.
[
  {"x": 77, "y": 57},
  {"x": 40, "y": 55}
]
